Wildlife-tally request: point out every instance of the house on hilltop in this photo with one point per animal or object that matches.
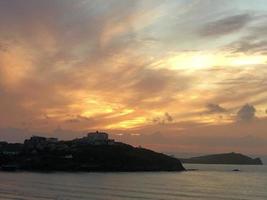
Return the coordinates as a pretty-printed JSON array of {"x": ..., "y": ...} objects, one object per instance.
[{"x": 97, "y": 138}]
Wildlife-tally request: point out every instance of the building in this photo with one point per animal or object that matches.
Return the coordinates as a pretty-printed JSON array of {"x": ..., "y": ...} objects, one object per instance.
[
  {"x": 96, "y": 138},
  {"x": 35, "y": 140},
  {"x": 40, "y": 142}
]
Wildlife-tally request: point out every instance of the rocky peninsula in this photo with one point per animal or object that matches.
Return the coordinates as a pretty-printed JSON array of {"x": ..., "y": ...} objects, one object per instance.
[
  {"x": 226, "y": 158},
  {"x": 93, "y": 153}
]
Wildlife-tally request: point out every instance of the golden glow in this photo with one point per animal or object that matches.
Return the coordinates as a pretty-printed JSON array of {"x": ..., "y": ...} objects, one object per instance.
[
  {"x": 191, "y": 61},
  {"x": 131, "y": 123},
  {"x": 123, "y": 112},
  {"x": 248, "y": 60},
  {"x": 94, "y": 105}
]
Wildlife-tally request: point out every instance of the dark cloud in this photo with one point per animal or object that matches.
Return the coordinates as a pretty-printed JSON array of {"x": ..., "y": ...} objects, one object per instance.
[
  {"x": 249, "y": 45},
  {"x": 79, "y": 119},
  {"x": 225, "y": 26},
  {"x": 246, "y": 113},
  {"x": 214, "y": 108},
  {"x": 166, "y": 118},
  {"x": 254, "y": 41}
]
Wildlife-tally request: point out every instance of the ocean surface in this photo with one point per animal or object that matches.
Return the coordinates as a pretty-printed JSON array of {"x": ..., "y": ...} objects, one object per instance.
[{"x": 209, "y": 182}]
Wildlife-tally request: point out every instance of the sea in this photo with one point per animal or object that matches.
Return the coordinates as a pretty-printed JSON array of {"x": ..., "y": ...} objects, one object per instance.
[{"x": 201, "y": 182}]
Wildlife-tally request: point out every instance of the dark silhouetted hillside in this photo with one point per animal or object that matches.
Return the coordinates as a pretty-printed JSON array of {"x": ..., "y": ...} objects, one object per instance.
[{"x": 48, "y": 154}]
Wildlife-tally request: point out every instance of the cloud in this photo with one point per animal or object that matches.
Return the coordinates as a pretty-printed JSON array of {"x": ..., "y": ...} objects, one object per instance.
[
  {"x": 193, "y": 137},
  {"x": 92, "y": 65},
  {"x": 3, "y": 47},
  {"x": 214, "y": 108},
  {"x": 225, "y": 26},
  {"x": 79, "y": 119},
  {"x": 156, "y": 87},
  {"x": 253, "y": 40},
  {"x": 249, "y": 45},
  {"x": 166, "y": 118},
  {"x": 19, "y": 135},
  {"x": 74, "y": 48},
  {"x": 246, "y": 113}
]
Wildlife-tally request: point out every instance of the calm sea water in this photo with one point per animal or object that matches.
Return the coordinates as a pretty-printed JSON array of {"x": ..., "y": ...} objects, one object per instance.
[{"x": 210, "y": 182}]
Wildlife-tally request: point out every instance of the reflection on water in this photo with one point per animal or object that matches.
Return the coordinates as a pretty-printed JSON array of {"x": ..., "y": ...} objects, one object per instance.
[{"x": 210, "y": 182}]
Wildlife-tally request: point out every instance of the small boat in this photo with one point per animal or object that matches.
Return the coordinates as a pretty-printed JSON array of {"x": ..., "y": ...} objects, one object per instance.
[
  {"x": 236, "y": 170},
  {"x": 191, "y": 169}
]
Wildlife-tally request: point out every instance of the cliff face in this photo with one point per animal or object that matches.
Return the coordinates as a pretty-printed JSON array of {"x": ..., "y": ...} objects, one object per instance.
[
  {"x": 227, "y": 158},
  {"x": 72, "y": 156}
]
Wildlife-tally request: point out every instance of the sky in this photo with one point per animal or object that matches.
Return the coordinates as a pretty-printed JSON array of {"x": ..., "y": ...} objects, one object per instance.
[{"x": 170, "y": 75}]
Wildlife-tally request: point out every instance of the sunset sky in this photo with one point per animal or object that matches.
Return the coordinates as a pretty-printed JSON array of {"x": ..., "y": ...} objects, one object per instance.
[{"x": 171, "y": 75}]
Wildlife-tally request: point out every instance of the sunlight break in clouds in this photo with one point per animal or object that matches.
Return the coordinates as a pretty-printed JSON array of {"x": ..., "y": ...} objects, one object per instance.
[{"x": 191, "y": 61}]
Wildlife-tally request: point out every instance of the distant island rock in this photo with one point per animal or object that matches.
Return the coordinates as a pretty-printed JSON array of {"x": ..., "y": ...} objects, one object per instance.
[
  {"x": 226, "y": 158},
  {"x": 95, "y": 152}
]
